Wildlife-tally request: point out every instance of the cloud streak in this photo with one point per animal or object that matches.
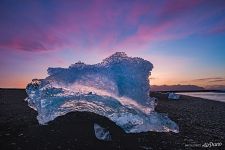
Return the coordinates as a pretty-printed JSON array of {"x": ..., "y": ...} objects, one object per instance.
[
  {"x": 39, "y": 26},
  {"x": 208, "y": 79}
]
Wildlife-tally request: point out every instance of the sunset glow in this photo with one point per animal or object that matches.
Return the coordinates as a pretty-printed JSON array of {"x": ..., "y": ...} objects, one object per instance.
[{"x": 185, "y": 40}]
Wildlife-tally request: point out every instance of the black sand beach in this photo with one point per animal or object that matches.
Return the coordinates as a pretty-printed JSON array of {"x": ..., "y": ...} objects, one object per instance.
[{"x": 200, "y": 121}]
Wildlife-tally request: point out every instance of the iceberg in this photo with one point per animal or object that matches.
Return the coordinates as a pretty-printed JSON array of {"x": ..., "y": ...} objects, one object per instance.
[{"x": 117, "y": 88}]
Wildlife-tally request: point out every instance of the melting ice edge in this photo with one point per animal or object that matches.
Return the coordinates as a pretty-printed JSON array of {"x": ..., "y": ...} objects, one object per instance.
[{"x": 117, "y": 88}]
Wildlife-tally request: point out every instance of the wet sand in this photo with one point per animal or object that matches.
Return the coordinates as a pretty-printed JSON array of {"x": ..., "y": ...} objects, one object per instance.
[{"x": 200, "y": 121}]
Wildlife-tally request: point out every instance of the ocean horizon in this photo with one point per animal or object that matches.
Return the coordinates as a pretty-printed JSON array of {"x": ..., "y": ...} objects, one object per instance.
[{"x": 216, "y": 96}]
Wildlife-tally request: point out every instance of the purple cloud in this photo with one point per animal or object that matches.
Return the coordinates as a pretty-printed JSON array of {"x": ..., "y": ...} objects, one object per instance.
[{"x": 41, "y": 26}]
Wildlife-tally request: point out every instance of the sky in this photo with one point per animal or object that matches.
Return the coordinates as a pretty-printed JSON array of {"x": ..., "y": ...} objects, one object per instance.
[{"x": 184, "y": 39}]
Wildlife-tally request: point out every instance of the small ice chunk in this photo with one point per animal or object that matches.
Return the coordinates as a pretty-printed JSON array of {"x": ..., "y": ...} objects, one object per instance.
[
  {"x": 173, "y": 96},
  {"x": 102, "y": 133}
]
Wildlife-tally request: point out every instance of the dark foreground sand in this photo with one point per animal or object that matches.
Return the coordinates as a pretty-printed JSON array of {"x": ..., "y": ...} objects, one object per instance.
[{"x": 200, "y": 121}]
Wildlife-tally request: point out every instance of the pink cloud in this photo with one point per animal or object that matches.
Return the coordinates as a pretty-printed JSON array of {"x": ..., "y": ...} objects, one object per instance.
[
  {"x": 137, "y": 10},
  {"x": 147, "y": 34},
  {"x": 101, "y": 24},
  {"x": 177, "y": 7}
]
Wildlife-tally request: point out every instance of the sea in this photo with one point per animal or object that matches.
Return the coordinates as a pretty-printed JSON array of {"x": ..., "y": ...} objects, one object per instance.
[{"x": 216, "y": 96}]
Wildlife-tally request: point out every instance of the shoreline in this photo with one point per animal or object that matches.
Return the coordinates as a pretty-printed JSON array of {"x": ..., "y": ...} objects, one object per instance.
[
  {"x": 200, "y": 121},
  {"x": 187, "y": 91},
  {"x": 192, "y": 94},
  {"x": 209, "y": 97}
]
